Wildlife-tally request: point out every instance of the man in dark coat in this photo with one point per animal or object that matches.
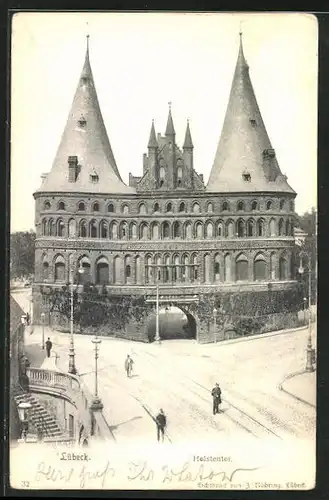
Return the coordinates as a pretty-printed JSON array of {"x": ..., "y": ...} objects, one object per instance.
[
  {"x": 216, "y": 396},
  {"x": 129, "y": 365},
  {"x": 48, "y": 347},
  {"x": 161, "y": 422}
]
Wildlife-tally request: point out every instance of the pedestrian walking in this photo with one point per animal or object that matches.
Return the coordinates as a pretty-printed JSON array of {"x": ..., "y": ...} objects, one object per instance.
[
  {"x": 27, "y": 318},
  {"x": 48, "y": 347},
  {"x": 129, "y": 365},
  {"x": 216, "y": 397},
  {"x": 161, "y": 423}
]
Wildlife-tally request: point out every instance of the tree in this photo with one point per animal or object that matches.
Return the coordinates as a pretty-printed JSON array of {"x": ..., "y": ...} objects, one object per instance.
[
  {"x": 308, "y": 223},
  {"x": 22, "y": 245}
]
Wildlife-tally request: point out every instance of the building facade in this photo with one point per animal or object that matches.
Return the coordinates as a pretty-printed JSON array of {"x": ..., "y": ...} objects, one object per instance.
[{"x": 233, "y": 234}]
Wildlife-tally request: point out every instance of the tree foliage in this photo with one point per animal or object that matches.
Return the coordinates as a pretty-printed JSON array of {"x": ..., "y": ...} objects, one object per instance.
[
  {"x": 308, "y": 223},
  {"x": 22, "y": 246}
]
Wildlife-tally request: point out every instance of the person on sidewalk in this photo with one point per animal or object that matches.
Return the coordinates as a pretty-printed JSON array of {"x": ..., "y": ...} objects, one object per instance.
[
  {"x": 48, "y": 347},
  {"x": 161, "y": 423},
  {"x": 216, "y": 398},
  {"x": 128, "y": 365}
]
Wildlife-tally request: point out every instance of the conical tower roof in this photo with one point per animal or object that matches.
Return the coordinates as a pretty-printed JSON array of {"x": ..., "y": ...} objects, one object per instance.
[
  {"x": 244, "y": 146},
  {"x": 153, "y": 143},
  {"x": 170, "y": 130},
  {"x": 86, "y": 138},
  {"x": 188, "y": 144}
]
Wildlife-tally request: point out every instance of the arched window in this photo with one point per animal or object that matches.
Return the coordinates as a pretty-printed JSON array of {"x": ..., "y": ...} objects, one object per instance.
[
  {"x": 177, "y": 229},
  {"x": 125, "y": 209},
  {"x": 46, "y": 205},
  {"x": 96, "y": 207},
  {"x": 272, "y": 228},
  {"x": 169, "y": 207},
  {"x": 209, "y": 230},
  {"x": 241, "y": 268},
  {"x": 44, "y": 227},
  {"x": 155, "y": 231},
  {"x": 110, "y": 207},
  {"x": 240, "y": 229},
  {"x": 182, "y": 207},
  {"x": 227, "y": 267},
  {"x": 196, "y": 208},
  {"x": 217, "y": 267},
  {"x": 60, "y": 228},
  {"x": 102, "y": 271},
  {"x": 61, "y": 205},
  {"x": 283, "y": 268},
  {"x": 240, "y": 206},
  {"x": 81, "y": 206},
  {"x": 133, "y": 231},
  {"x": 250, "y": 228},
  {"x": 149, "y": 270},
  {"x": 199, "y": 231},
  {"x": 114, "y": 231},
  {"x": 158, "y": 272},
  {"x": 72, "y": 228},
  {"x": 207, "y": 275},
  {"x": 225, "y": 206},
  {"x": 254, "y": 205},
  {"x": 124, "y": 230},
  {"x": 195, "y": 268},
  {"x": 165, "y": 230},
  {"x": 188, "y": 231},
  {"x": 269, "y": 205},
  {"x": 210, "y": 207},
  {"x": 128, "y": 271},
  {"x": 176, "y": 269},
  {"x": 292, "y": 206},
  {"x": 179, "y": 176},
  {"x": 117, "y": 269},
  {"x": 220, "y": 228},
  {"x": 166, "y": 269},
  {"x": 143, "y": 231},
  {"x": 287, "y": 227},
  {"x": 85, "y": 277},
  {"x": 186, "y": 268},
  {"x": 259, "y": 268},
  {"x": 281, "y": 227},
  {"x": 93, "y": 229},
  {"x": 103, "y": 229},
  {"x": 260, "y": 228},
  {"x": 138, "y": 270},
  {"x": 45, "y": 271},
  {"x": 142, "y": 208},
  {"x": 156, "y": 207},
  {"x": 83, "y": 229},
  {"x": 272, "y": 266},
  {"x": 59, "y": 269},
  {"x": 162, "y": 175},
  {"x": 230, "y": 229},
  {"x": 282, "y": 204}
]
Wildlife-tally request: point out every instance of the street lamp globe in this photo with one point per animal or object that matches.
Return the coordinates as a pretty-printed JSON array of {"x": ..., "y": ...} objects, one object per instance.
[{"x": 23, "y": 409}]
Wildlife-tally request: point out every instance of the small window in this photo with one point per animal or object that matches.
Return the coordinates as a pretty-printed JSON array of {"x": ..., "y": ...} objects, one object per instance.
[
  {"x": 225, "y": 206},
  {"x": 253, "y": 122},
  {"x": 210, "y": 207},
  {"x": 61, "y": 205},
  {"x": 161, "y": 183},
  {"x": 246, "y": 177},
  {"x": 46, "y": 205},
  {"x": 81, "y": 207},
  {"x": 110, "y": 207},
  {"x": 282, "y": 204},
  {"x": 292, "y": 207},
  {"x": 268, "y": 205},
  {"x": 156, "y": 207},
  {"x": 169, "y": 207},
  {"x": 96, "y": 207},
  {"x": 82, "y": 121},
  {"x": 216, "y": 267},
  {"x": 254, "y": 205},
  {"x": 240, "y": 205},
  {"x": 128, "y": 271},
  {"x": 182, "y": 207},
  {"x": 94, "y": 178},
  {"x": 125, "y": 209}
]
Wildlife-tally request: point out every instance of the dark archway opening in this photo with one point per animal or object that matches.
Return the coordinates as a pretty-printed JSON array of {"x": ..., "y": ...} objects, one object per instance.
[{"x": 173, "y": 324}]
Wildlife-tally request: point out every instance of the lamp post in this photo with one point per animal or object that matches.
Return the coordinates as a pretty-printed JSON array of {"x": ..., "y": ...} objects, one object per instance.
[
  {"x": 310, "y": 351},
  {"x": 43, "y": 329},
  {"x": 96, "y": 403},
  {"x": 304, "y": 302},
  {"x": 157, "y": 332},
  {"x": 215, "y": 326},
  {"x": 23, "y": 409},
  {"x": 72, "y": 367}
]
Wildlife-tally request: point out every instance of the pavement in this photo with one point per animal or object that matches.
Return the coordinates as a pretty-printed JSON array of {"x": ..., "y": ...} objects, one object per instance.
[{"x": 301, "y": 386}]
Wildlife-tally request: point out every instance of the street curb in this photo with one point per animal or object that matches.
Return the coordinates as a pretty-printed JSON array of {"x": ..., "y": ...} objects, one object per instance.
[{"x": 288, "y": 377}]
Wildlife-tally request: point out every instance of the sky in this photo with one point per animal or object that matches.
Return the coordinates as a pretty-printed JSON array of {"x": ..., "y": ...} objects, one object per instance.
[{"x": 142, "y": 61}]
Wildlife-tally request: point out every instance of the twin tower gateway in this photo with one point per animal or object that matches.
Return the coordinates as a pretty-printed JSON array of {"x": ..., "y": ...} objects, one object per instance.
[{"x": 222, "y": 252}]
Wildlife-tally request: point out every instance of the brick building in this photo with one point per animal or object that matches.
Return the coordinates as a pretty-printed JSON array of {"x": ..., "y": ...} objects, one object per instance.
[{"x": 233, "y": 234}]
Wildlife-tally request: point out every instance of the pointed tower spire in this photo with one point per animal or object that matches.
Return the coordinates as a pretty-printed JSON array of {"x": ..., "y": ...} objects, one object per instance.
[
  {"x": 188, "y": 144},
  {"x": 86, "y": 141},
  {"x": 153, "y": 143},
  {"x": 170, "y": 130},
  {"x": 245, "y": 159}
]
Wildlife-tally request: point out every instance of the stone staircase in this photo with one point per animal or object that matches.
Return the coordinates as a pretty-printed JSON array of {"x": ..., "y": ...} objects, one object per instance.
[{"x": 40, "y": 419}]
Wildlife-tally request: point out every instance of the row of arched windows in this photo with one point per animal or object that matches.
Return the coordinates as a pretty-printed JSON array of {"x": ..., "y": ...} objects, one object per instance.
[
  {"x": 240, "y": 206},
  {"x": 167, "y": 230},
  {"x": 175, "y": 268}
]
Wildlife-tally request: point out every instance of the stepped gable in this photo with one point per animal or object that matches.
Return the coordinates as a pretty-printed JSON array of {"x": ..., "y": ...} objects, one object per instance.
[
  {"x": 85, "y": 140},
  {"x": 245, "y": 160}
]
